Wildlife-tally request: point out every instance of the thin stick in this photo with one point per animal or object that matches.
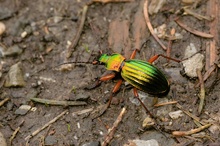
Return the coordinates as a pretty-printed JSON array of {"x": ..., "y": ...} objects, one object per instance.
[
  {"x": 56, "y": 102},
  {"x": 76, "y": 38},
  {"x": 111, "y": 132},
  {"x": 80, "y": 112},
  {"x": 150, "y": 26},
  {"x": 45, "y": 126},
  {"x": 166, "y": 103},
  {"x": 202, "y": 91},
  {"x": 4, "y": 101},
  {"x": 169, "y": 46},
  {"x": 212, "y": 47},
  {"x": 195, "y": 32},
  {"x": 207, "y": 74},
  {"x": 196, "y": 15},
  {"x": 14, "y": 134},
  {"x": 185, "y": 133}
]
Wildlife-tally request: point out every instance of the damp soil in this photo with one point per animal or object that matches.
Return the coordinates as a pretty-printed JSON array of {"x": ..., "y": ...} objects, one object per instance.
[{"x": 44, "y": 29}]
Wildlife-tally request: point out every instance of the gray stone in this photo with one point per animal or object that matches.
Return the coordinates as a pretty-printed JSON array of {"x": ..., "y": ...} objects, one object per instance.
[
  {"x": 23, "y": 109},
  {"x": 15, "y": 77}
]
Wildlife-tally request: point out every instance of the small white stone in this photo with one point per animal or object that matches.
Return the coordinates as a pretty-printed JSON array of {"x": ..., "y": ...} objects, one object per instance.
[
  {"x": 176, "y": 114},
  {"x": 2, "y": 28},
  {"x": 192, "y": 64},
  {"x": 33, "y": 109},
  {"x": 151, "y": 142},
  {"x": 190, "y": 50},
  {"x": 23, "y": 109},
  {"x": 78, "y": 125},
  {"x": 24, "y": 34},
  {"x": 75, "y": 137}
]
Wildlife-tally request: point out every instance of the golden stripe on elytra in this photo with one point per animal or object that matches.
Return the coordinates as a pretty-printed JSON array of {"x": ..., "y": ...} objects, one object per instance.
[
  {"x": 132, "y": 73},
  {"x": 139, "y": 68}
]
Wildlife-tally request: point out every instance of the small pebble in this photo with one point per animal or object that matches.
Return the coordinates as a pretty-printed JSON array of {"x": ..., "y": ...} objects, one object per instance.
[
  {"x": 5, "y": 12},
  {"x": 192, "y": 64},
  {"x": 23, "y": 109},
  {"x": 11, "y": 51},
  {"x": 190, "y": 50},
  {"x": 151, "y": 142},
  {"x": 93, "y": 143},
  {"x": 24, "y": 34},
  {"x": 2, "y": 28},
  {"x": 15, "y": 77},
  {"x": 176, "y": 114}
]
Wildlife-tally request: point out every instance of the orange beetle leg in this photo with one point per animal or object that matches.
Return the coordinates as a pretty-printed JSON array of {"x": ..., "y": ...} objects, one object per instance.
[
  {"x": 136, "y": 96},
  {"x": 155, "y": 57},
  {"x": 114, "y": 90}
]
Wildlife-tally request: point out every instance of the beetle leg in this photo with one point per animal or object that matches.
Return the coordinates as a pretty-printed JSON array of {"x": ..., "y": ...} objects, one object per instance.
[
  {"x": 114, "y": 90},
  {"x": 107, "y": 77},
  {"x": 155, "y": 57},
  {"x": 100, "y": 80},
  {"x": 133, "y": 54},
  {"x": 136, "y": 96}
]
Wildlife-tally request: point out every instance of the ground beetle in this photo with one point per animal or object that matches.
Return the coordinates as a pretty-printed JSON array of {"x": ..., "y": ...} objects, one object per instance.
[{"x": 140, "y": 74}]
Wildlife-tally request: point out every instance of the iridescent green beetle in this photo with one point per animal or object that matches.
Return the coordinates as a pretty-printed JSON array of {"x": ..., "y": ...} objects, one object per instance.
[{"x": 140, "y": 74}]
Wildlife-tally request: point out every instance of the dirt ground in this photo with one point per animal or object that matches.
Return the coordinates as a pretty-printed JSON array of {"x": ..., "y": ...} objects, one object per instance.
[{"x": 37, "y": 36}]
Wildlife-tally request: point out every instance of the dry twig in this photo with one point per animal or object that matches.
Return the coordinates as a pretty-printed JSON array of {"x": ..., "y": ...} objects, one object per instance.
[
  {"x": 150, "y": 26},
  {"x": 172, "y": 33},
  {"x": 46, "y": 125},
  {"x": 4, "y": 101},
  {"x": 76, "y": 38},
  {"x": 195, "y": 32},
  {"x": 202, "y": 91},
  {"x": 14, "y": 134},
  {"x": 193, "y": 131},
  {"x": 196, "y": 15},
  {"x": 211, "y": 49},
  {"x": 166, "y": 103},
  {"x": 56, "y": 102},
  {"x": 80, "y": 112},
  {"x": 207, "y": 74},
  {"x": 111, "y": 132}
]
